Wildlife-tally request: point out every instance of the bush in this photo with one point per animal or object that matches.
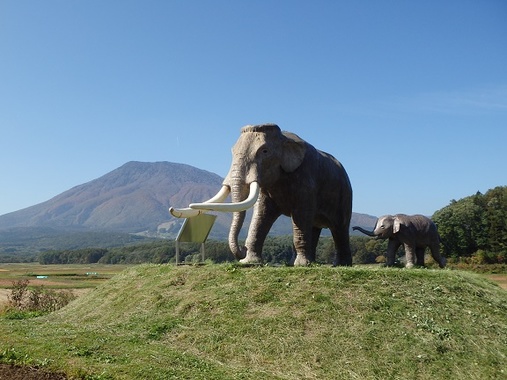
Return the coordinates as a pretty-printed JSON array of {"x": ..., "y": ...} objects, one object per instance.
[
  {"x": 36, "y": 299},
  {"x": 486, "y": 257}
]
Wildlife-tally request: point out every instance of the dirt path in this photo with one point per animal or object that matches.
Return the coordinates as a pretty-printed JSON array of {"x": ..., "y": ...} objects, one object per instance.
[{"x": 500, "y": 279}]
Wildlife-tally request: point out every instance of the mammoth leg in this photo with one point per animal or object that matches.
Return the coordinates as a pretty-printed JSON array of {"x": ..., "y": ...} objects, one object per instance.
[
  {"x": 303, "y": 242},
  {"x": 315, "y": 241},
  {"x": 303, "y": 247},
  {"x": 343, "y": 255},
  {"x": 392, "y": 247},
  {"x": 264, "y": 215}
]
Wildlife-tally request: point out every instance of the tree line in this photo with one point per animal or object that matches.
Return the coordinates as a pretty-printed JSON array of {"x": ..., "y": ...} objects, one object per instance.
[
  {"x": 277, "y": 250},
  {"x": 473, "y": 228}
]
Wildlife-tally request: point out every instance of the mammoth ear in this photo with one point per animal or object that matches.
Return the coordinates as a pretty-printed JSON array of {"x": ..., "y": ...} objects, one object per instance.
[
  {"x": 293, "y": 152},
  {"x": 396, "y": 225}
]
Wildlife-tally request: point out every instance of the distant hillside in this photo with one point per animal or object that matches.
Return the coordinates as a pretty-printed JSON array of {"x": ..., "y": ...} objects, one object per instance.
[{"x": 135, "y": 199}]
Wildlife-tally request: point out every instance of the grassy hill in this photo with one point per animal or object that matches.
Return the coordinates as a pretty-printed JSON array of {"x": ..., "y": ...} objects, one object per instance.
[{"x": 231, "y": 322}]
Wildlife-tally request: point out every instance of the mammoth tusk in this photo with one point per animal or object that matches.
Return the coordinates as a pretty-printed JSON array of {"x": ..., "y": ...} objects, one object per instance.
[
  {"x": 231, "y": 207},
  {"x": 189, "y": 212},
  {"x": 220, "y": 196},
  {"x": 184, "y": 212}
]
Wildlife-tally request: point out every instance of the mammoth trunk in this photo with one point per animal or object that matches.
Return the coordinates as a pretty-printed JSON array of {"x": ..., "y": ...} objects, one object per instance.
[
  {"x": 237, "y": 222},
  {"x": 238, "y": 194}
]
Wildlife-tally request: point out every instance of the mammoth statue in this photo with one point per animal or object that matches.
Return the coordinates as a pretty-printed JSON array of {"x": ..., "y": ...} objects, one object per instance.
[
  {"x": 415, "y": 232},
  {"x": 280, "y": 173}
]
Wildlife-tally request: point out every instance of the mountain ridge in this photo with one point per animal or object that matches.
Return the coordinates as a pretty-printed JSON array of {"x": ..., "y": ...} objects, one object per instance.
[{"x": 135, "y": 198}]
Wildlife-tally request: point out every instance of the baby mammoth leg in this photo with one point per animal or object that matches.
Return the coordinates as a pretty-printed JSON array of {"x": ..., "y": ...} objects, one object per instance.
[
  {"x": 410, "y": 254},
  {"x": 419, "y": 256},
  {"x": 392, "y": 247},
  {"x": 435, "y": 253}
]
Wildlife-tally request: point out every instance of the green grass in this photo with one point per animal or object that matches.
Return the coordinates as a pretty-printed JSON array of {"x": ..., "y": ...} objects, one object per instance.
[{"x": 230, "y": 322}]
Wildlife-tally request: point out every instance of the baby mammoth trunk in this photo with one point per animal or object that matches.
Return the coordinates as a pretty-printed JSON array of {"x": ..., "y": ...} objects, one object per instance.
[{"x": 366, "y": 232}]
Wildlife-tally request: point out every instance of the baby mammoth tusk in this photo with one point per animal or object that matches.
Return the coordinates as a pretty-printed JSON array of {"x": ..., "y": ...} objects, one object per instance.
[
  {"x": 231, "y": 207},
  {"x": 189, "y": 212}
]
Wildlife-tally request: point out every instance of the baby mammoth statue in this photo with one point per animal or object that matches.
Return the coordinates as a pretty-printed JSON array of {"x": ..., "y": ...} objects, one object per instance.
[{"x": 415, "y": 232}]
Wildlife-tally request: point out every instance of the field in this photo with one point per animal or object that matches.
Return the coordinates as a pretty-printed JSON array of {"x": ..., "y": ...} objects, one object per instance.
[
  {"x": 232, "y": 322},
  {"x": 78, "y": 278}
]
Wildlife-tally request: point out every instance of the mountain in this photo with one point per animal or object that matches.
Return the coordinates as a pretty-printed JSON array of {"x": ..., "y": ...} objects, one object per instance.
[{"x": 135, "y": 199}]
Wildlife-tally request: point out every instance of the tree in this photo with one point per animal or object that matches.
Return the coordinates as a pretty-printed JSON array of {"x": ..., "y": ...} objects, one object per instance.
[
  {"x": 496, "y": 212},
  {"x": 475, "y": 223}
]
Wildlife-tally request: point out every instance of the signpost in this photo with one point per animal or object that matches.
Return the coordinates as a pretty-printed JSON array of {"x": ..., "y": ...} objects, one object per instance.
[{"x": 195, "y": 230}]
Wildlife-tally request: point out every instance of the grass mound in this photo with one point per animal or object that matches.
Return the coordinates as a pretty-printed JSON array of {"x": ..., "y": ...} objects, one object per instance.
[{"x": 229, "y": 322}]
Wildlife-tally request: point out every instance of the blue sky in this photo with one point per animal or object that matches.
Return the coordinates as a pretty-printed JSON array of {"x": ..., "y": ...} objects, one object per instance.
[{"x": 410, "y": 96}]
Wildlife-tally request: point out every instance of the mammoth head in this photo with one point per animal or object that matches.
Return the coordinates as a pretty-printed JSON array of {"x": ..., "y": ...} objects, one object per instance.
[{"x": 262, "y": 152}]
